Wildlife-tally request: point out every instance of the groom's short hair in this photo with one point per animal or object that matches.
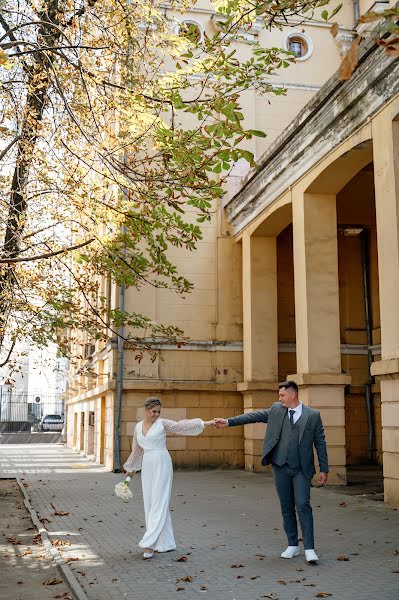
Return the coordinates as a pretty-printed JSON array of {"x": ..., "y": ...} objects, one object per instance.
[{"x": 289, "y": 384}]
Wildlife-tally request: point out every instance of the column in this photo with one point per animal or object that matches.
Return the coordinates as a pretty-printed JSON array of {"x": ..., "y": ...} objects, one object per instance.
[
  {"x": 386, "y": 176},
  {"x": 317, "y": 319},
  {"x": 260, "y": 338}
]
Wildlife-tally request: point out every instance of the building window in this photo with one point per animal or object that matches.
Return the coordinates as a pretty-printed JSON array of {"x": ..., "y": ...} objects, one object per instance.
[
  {"x": 192, "y": 31},
  {"x": 300, "y": 44}
]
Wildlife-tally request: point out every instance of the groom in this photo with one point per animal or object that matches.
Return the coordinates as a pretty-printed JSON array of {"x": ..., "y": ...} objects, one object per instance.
[{"x": 293, "y": 429}]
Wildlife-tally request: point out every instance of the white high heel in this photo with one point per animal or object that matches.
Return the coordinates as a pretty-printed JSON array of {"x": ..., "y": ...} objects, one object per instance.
[{"x": 148, "y": 555}]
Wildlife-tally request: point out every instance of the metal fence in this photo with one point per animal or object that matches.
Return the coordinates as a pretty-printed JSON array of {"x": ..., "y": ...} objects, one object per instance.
[{"x": 30, "y": 412}]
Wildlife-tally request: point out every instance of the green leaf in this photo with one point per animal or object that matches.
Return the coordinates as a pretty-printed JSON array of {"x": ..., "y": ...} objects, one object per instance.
[
  {"x": 256, "y": 133},
  {"x": 324, "y": 15},
  {"x": 336, "y": 9}
]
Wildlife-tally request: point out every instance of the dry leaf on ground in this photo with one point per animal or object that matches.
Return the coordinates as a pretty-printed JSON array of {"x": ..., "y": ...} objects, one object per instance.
[
  {"x": 271, "y": 596},
  {"x": 322, "y": 595},
  {"x": 236, "y": 566},
  {"x": 14, "y": 541},
  {"x": 71, "y": 559},
  {"x": 343, "y": 557},
  {"x": 61, "y": 543},
  {"x": 182, "y": 559},
  {"x": 54, "y": 581},
  {"x": 282, "y": 581}
]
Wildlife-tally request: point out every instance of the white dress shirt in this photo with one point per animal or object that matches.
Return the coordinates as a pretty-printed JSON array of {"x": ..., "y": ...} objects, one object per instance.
[{"x": 297, "y": 412}]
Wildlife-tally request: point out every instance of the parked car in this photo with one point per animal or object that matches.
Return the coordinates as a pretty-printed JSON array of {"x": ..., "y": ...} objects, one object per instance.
[{"x": 51, "y": 423}]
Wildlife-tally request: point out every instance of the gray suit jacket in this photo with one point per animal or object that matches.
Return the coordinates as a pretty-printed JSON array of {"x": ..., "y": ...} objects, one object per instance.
[{"x": 311, "y": 433}]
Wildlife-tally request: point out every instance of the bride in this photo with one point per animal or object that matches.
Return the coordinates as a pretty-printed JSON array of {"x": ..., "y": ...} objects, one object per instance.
[{"x": 149, "y": 453}]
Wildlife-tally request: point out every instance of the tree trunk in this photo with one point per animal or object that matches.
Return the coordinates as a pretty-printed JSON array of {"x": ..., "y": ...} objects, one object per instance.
[{"x": 37, "y": 90}]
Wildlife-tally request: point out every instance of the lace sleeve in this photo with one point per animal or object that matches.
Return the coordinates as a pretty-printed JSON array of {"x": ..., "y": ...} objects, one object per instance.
[
  {"x": 184, "y": 427},
  {"x": 135, "y": 459}
]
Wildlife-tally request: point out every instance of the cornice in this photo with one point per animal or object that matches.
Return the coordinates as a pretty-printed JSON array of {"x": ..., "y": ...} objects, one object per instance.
[{"x": 337, "y": 111}]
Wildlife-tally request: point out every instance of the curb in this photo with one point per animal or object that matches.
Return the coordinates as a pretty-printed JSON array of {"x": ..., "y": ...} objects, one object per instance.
[{"x": 66, "y": 571}]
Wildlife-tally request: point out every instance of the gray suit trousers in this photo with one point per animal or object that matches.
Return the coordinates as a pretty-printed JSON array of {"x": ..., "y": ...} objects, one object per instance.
[{"x": 293, "y": 490}]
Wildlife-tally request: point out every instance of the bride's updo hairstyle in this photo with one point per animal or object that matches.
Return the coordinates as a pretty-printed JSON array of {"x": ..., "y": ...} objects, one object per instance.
[{"x": 151, "y": 402}]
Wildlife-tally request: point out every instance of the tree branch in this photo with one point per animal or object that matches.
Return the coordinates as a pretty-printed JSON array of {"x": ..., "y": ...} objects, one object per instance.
[
  {"x": 47, "y": 255},
  {"x": 10, "y": 145}
]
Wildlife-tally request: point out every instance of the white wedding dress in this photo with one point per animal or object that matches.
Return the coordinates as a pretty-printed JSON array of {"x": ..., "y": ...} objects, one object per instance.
[{"x": 149, "y": 453}]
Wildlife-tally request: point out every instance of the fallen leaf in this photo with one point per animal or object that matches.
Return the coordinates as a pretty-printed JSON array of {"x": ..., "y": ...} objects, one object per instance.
[
  {"x": 26, "y": 552},
  {"x": 236, "y": 566},
  {"x": 182, "y": 559},
  {"x": 240, "y": 576},
  {"x": 342, "y": 504},
  {"x": 61, "y": 543},
  {"x": 282, "y": 581},
  {"x": 14, "y": 541},
  {"x": 203, "y": 588},
  {"x": 271, "y": 596},
  {"x": 71, "y": 559},
  {"x": 255, "y": 577},
  {"x": 83, "y": 574},
  {"x": 343, "y": 557},
  {"x": 37, "y": 539},
  {"x": 54, "y": 581},
  {"x": 299, "y": 569},
  {"x": 180, "y": 589},
  {"x": 322, "y": 595},
  {"x": 64, "y": 595}
]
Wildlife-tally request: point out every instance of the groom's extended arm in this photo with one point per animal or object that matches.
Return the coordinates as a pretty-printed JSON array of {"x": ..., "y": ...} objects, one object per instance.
[{"x": 257, "y": 416}]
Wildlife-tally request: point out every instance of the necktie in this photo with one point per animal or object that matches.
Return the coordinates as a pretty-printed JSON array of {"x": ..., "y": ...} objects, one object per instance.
[{"x": 291, "y": 411}]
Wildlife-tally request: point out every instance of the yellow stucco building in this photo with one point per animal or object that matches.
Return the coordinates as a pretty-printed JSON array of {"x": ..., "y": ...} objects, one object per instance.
[{"x": 297, "y": 275}]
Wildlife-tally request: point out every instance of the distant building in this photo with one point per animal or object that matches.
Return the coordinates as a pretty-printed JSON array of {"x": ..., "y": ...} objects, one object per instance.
[{"x": 35, "y": 389}]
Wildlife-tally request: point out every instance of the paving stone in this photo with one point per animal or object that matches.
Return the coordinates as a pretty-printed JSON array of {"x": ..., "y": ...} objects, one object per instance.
[{"x": 221, "y": 518}]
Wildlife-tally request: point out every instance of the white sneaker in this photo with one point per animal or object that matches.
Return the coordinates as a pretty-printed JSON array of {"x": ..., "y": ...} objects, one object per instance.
[
  {"x": 148, "y": 555},
  {"x": 291, "y": 552},
  {"x": 311, "y": 556}
]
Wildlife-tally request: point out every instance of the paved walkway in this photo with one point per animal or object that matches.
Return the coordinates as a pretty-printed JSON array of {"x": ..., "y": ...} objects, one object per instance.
[{"x": 228, "y": 530}]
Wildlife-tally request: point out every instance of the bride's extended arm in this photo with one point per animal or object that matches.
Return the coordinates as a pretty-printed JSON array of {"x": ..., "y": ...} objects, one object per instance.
[
  {"x": 135, "y": 459},
  {"x": 186, "y": 426}
]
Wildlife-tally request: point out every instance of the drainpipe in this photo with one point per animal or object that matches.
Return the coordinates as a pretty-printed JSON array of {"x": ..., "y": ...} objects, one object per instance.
[
  {"x": 119, "y": 380},
  {"x": 356, "y": 11},
  {"x": 364, "y": 244}
]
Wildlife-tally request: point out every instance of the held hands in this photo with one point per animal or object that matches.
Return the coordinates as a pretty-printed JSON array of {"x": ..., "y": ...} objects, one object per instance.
[{"x": 218, "y": 423}]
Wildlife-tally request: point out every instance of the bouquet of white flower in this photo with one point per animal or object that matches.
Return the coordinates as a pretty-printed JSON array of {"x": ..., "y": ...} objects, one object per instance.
[{"x": 122, "y": 489}]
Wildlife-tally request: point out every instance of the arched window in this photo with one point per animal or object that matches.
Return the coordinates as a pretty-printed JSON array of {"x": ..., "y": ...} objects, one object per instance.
[
  {"x": 300, "y": 44},
  {"x": 192, "y": 30}
]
